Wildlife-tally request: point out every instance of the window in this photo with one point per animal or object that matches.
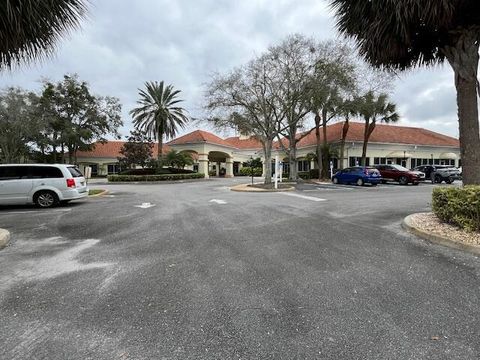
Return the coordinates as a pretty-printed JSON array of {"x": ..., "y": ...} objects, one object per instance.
[
  {"x": 286, "y": 167},
  {"x": 113, "y": 169},
  {"x": 74, "y": 172},
  {"x": 357, "y": 161},
  {"x": 303, "y": 165},
  {"x": 94, "y": 169},
  {"x": 45, "y": 172},
  {"x": 379, "y": 161},
  {"x": 10, "y": 172}
]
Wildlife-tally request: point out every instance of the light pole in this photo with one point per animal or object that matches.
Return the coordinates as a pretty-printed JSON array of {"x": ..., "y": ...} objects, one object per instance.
[{"x": 251, "y": 167}]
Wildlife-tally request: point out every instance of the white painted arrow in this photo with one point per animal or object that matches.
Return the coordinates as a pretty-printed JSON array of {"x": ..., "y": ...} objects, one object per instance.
[
  {"x": 145, "y": 205},
  {"x": 221, "y": 202}
]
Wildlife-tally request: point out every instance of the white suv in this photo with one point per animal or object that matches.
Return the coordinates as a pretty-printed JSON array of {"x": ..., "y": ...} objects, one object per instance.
[{"x": 42, "y": 184}]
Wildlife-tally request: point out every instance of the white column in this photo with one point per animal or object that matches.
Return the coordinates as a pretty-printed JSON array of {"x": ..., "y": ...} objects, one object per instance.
[
  {"x": 203, "y": 164},
  {"x": 217, "y": 169},
  {"x": 229, "y": 167}
]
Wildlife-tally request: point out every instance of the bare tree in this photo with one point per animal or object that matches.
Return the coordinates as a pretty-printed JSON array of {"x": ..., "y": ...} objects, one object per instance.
[{"x": 246, "y": 99}]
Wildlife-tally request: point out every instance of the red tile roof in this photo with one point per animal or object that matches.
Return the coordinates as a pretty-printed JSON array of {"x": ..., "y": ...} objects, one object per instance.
[
  {"x": 111, "y": 149},
  {"x": 382, "y": 134},
  {"x": 250, "y": 143},
  {"x": 391, "y": 134},
  {"x": 199, "y": 136}
]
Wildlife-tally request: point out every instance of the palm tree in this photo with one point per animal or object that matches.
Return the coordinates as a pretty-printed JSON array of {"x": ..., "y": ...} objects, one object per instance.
[
  {"x": 374, "y": 108},
  {"x": 405, "y": 34},
  {"x": 178, "y": 159},
  {"x": 29, "y": 29},
  {"x": 158, "y": 114}
]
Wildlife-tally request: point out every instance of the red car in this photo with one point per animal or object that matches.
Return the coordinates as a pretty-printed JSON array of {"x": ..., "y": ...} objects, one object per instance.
[{"x": 398, "y": 174}]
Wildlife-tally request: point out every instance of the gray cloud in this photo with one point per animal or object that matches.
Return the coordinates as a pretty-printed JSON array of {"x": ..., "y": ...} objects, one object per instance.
[{"x": 125, "y": 43}]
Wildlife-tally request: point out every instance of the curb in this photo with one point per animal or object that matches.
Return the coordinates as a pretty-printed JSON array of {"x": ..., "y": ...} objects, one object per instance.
[
  {"x": 104, "y": 192},
  {"x": 437, "y": 239},
  {"x": 4, "y": 238},
  {"x": 247, "y": 188}
]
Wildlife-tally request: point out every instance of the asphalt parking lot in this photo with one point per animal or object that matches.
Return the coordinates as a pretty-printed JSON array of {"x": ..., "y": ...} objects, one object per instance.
[{"x": 195, "y": 271}]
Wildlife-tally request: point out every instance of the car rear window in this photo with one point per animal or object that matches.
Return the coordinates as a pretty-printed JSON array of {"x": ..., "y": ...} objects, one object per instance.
[{"x": 75, "y": 172}]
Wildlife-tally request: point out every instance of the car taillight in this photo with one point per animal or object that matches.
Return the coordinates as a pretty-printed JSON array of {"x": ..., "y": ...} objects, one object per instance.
[
  {"x": 366, "y": 172},
  {"x": 70, "y": 183}
]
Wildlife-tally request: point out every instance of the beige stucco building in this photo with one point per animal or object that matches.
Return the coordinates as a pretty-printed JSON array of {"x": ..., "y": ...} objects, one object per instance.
[{"x": 216, "y": 156}]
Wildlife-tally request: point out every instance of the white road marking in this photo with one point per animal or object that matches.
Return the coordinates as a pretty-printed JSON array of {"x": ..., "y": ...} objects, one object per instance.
[
  {"x": 221, "y": 202},
  {"x": 145, "y": 205},
  {"x": 311, "y": 198},
  {"x": 44, "y": 211}
]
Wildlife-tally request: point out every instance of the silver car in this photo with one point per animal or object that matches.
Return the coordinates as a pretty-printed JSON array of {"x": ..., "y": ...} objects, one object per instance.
[{"x": 41, "y": 184}]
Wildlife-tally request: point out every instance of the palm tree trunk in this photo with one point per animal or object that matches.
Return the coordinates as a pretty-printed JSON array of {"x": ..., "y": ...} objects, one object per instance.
[
  {"x": 369, "y": 127},
  {"x": 346, "y": 125},
  {"x": 319, "y": 146},
  {"x": 160, "y": 145},
  {"x": 464, "y": 59},
  {"x": 467, "y": 102}
]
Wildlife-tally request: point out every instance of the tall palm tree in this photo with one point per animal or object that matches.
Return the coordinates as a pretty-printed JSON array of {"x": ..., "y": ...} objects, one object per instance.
[
  {"x": 158, "y": 113},
  {"x": 374, "y": 109},
  {"x": 401, "y": 34},
  {"x": 29, "y": 29}
]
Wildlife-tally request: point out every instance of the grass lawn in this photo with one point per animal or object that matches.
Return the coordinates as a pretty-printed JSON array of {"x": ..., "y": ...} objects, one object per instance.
[{"x": 95, "y": 191}]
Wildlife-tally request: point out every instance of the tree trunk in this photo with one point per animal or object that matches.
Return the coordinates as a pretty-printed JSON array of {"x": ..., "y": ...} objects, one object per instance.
[
  {"x": 464, "y": 58},
  {"x": 267, "y": 149},
  {"x": 160, "y": 145},
  {"x": 368, "y": 131},
  {"x": 292, "y": 160},
  {"x": 467, "y": 102},
  {"x": 319, "y": 146},
  {"x": 325, "y": 157},
  {"x": 346, "y": 125}
]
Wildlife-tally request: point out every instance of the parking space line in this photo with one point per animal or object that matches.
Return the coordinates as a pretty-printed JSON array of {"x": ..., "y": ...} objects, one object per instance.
[{"x": 311, "y": 198}]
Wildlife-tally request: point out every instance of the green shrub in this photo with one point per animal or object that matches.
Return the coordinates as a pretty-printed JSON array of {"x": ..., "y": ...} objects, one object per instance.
[
  {"x": 314, "y": 174},
  {"x": 164, "y": 177},
  {"x": 138, "y": 172},
  {"x": 458, "y": 206},
  {"x": 305, "y": 175},
  {"x": 247, "y": 171}
]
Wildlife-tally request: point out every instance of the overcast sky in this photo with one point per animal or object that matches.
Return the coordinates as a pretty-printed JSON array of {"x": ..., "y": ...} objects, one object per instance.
[{"x": 125, "y": 43}]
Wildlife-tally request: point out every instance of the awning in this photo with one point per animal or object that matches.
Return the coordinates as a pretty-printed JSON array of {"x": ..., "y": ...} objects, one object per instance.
[
  {"x": 448, "y": 155},
  {"x": 399, "y": 154}
]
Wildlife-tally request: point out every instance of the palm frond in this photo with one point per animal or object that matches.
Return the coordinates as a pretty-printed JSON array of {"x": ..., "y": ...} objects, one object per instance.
[{"x": 30, "y": 29}]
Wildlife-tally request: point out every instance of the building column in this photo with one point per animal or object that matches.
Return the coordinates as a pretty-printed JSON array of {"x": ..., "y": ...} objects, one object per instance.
[
  {"x": 229, "y": 167},
  {"x": 203, "y": 164},
  {"x": 217, "y": 169}
]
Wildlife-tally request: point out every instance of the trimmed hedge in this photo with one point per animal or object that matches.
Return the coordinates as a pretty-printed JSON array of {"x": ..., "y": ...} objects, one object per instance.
[
  {"x": 458, "y": 206},
  {"x": 143, "y": 178},
  {"x": 247, "y": 171},
  {"x": 138, "y": 172}
]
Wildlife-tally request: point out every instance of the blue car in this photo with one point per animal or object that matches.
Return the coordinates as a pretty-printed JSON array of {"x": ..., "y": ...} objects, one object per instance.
[{"x": 359, "y": 175}]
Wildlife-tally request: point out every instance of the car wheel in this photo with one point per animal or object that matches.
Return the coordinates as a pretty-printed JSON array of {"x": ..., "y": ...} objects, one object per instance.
[
  {"x": 45, "y": 199},
  {"x": 415, "y": 183},
  {"x": 335, "y": 180},
  {"x": 360, "y": 182},
  {"x": 403, "y": 180}
]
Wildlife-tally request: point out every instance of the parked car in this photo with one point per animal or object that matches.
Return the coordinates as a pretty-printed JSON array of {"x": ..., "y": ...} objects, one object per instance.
[
  {"x": 398, "y": 173},
  {"x": 43, "y": 185},
  {"x": 440, "y": 173},
  {"x": 357, "y": 175}
]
